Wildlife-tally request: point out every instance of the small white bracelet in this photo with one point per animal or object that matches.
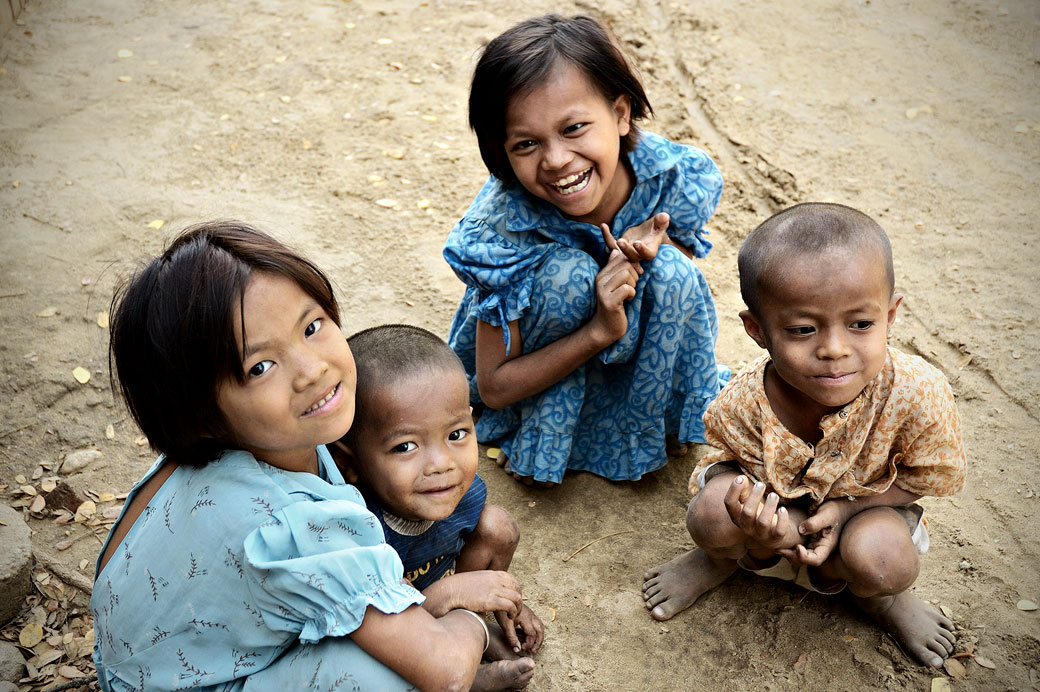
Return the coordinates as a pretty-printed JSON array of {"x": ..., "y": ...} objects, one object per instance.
[{"x": 483, "y": 623}]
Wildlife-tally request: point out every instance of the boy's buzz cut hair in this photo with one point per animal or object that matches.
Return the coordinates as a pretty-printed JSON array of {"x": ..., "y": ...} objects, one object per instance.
[
  {"x": 776, "y": 245},
  {"x": 523, "y": 58},
  {"x": 388, "y": 352}
]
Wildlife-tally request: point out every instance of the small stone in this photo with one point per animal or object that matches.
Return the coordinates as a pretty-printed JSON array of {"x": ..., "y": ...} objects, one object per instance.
[{"x": 80, "y": 459}]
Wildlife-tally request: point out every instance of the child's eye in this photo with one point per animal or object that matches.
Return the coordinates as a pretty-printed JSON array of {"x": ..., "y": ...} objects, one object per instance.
[
  {"x": 456, "y": 435},
  {"x": 525, "y": 144},
  {"x": 863, "y": 325},
  {"x": 404, "y": 448},
  {"x": 260, "y": 368},
  {"x": 313, "y": 327},
  {"x": 800, "y": 331},
  {"x": 571, "y": 129}
]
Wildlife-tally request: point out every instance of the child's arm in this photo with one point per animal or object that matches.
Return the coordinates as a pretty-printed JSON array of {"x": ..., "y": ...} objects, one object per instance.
[
  {"x": 825, "y": 524},
  {"x": 481, "y": 591},
  {"x": 431, "y": 653},
  {"x": 504, "y": 379}
]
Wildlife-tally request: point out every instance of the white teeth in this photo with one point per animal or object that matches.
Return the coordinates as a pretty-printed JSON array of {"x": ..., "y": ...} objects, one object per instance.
[
  {"x": 323, "y": 401},
  {"x": 566, "y": 185}
]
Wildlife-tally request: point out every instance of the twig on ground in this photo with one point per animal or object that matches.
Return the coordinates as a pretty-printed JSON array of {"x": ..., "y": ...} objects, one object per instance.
[
  {"x": 596, "y": 540},
  {"x": 55, "y": 566},
  {"x": 72, "y": 684}
]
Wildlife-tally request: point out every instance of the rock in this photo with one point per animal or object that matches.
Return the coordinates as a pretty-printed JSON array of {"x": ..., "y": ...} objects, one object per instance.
[
  {"x": 6, "y": 686},
  {"x": 15, "y": 561},
  {"x": 80, "y": 459},
  {"x": 12, "y": 665}
]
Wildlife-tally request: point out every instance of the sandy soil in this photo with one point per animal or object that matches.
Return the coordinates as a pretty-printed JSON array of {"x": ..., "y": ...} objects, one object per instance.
[{"x": 340, "y": 126}]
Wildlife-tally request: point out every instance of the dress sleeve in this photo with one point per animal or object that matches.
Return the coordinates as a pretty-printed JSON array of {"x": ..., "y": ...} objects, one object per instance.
[
  {"x": 314, "y": 567},
  {"x": 690, "y": 199},
  {"x": 497, "y": 267}
]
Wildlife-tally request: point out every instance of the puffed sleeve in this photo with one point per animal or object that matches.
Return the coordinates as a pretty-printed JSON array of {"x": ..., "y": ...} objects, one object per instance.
[
  {"x": 691, "y": 199},
  {"x": 314, "y": 567}
]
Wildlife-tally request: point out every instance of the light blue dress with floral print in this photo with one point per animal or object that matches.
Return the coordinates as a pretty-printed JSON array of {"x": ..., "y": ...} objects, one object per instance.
[
  {"x": 241, "y": 576},
  {"x": 521, "y": 259}
]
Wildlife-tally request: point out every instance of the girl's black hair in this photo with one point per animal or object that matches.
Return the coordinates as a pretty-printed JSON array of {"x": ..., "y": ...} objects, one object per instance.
[
  {"x": 173, "y": 335},
  {"x": 523, "y": 58}
]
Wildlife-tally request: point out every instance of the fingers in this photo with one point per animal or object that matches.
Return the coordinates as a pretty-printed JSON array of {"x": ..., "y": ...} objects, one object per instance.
[{"x": 506, "y": 622}]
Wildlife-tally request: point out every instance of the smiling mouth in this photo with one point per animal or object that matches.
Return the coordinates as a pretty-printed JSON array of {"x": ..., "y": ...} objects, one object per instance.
[
  {"x": 326, "y": 399},
  {"x": 840, "y": 378},
  {"x": 576, "y": 182},
  {"x": 438, "y": 491}
]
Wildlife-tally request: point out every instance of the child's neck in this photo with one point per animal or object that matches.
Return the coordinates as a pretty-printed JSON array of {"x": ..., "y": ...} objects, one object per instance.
[{"x": 797, "y": 412}]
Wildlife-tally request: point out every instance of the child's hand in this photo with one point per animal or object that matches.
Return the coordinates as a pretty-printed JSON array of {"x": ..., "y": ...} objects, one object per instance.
[
  {"x": 479, "y": 591},
  {"x": 641, "y": 242},
  {"x": 615, "y": 284},
  {"x": 823, "y": 527},
  {"x": 756, "y": 514},
  {"x": 528, "y": 623}
]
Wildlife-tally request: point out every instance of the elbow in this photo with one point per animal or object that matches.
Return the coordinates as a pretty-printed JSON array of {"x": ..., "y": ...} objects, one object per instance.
[{"x": 493, "y": 396}]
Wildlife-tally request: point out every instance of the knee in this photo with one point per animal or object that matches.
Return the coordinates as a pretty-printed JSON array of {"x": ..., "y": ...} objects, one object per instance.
[
  {"x": 879, "y": 556},
  {"x": 672, "y": 268},
  {"x": 498, "y": 530},
  {"x": 708, "y": 521}
]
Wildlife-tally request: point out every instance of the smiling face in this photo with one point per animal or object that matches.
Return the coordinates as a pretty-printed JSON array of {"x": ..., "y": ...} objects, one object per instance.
[
  {"x": 298, "y": 390},
  {"x": 563, "y": 141},
  {"x": 825, "y": 324},
  {"x": 415, "y": 447}
]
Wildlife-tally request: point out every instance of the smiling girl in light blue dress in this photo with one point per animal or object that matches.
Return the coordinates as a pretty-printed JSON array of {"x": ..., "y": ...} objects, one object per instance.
[
  {"x": 586, "y": 329},
  {"x": 241, "y": 561}
]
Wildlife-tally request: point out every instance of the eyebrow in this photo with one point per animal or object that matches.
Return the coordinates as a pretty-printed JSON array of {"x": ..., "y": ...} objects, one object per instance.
[{"x": 250, "y": 349}]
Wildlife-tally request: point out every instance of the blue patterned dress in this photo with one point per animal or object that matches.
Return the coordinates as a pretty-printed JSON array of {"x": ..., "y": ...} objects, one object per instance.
[
  {"x": 241, "y": 576},
  {"x": 521, "y": 259}
]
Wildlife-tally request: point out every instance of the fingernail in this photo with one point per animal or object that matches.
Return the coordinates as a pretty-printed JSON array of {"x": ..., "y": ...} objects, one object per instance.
[
  {"x": 740, "y": 479},
  {"x": 759, "y": 485}
]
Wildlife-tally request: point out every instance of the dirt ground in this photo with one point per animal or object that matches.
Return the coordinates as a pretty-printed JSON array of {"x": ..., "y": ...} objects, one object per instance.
[{"x": 341, "y": 127}]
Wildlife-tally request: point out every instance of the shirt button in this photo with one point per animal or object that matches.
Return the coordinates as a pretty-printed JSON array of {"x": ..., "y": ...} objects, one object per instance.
[
  {"x": 835, "y": 453},
  {"x": 843, "y": 414}
]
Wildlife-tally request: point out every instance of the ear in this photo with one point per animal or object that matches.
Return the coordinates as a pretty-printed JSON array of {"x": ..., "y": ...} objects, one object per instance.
[
  {"x": 897, "y": 298},
  {"x": 345, "y": 460},
  {"x": 753, "y": 328},
  {"x": 623, "y": 110}
]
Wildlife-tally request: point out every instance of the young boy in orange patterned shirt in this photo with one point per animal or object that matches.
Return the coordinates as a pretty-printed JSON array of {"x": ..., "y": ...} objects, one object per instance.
[{"x": 822, "y": 445}]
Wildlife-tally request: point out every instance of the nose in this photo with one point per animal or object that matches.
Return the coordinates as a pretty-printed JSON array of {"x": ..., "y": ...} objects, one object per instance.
[
  {"x": 555, "y": 155},
  {"x": 833, "y": 344},
  {"x": 310, "y": 366},
  {"x": 439, "y": 460}
]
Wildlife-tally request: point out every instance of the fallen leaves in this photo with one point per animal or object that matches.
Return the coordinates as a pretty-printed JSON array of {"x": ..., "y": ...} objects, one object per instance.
[
  {"x": 912, "y": 113},
  {"x": 157, "y": 224},
  {"x": 31, "y": 635}
]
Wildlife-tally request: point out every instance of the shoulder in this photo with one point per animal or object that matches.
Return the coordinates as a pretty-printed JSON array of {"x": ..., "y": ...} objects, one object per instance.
[
  {"x": 655, "y": 155},
  {"x": 915, "y": 379},
  {"x": 740, "y": 396}
]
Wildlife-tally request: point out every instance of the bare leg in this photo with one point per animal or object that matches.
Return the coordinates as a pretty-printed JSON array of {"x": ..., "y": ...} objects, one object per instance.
[
  {"x": 674, "y": 586},
  {"x": 878, "y": 559},
  {"x": 491, "y": 544}
]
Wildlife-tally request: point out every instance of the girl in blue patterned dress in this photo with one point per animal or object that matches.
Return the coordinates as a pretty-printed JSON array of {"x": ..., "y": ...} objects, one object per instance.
[
  {"x": 242, "y": 561},
  {"x": 587, "y": 331}
]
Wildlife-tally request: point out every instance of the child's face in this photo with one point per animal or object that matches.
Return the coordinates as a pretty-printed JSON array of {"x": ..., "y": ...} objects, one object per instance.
[
  {"x": 415, "y": 447},
  {"x": 563, "y": 140},
  {"x": 298, "y": 390},
  {"x": 825, "y": 325}
]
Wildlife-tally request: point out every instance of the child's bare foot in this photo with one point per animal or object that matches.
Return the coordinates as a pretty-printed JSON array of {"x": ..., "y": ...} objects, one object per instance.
[
  {"x": 923, "y": 632},
  {"x": 503, "y": 675},
  {"x": 674, "y": 448},
  {"x": 675, "y": 585},
  {"x": 503, "y": 461}
]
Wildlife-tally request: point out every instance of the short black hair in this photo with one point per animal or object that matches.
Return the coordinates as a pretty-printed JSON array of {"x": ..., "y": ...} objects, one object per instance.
[
  {"x": 172, "y": 332},
  {"x": 384, "y": 354},
  {"x": 523, "y": 58},
  {"x": 805, "y": 229}
]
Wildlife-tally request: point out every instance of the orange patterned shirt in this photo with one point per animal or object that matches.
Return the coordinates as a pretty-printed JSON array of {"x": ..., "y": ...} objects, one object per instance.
[{"x": 903, "y": 428}]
